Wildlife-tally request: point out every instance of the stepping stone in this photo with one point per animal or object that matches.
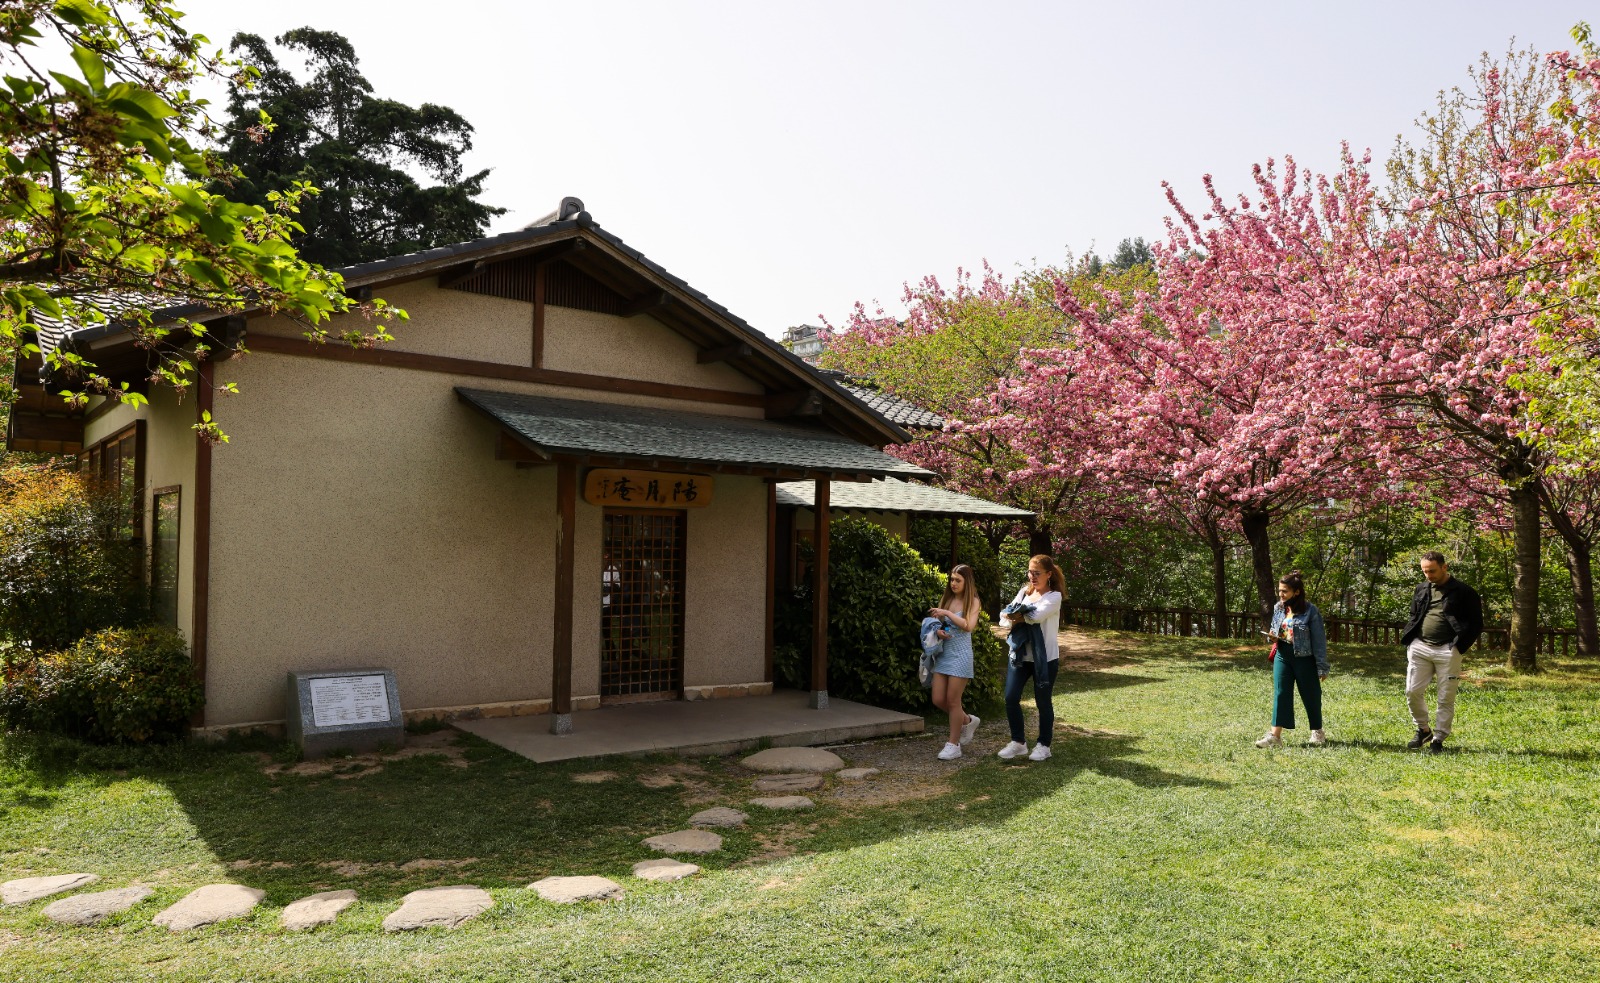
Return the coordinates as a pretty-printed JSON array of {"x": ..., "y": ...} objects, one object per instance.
[
  {"x": 784, "y": 802},
  {"x": 856, "y": 774},
  {"x": 593, "y": 777},
  {"x": 438, "y": 907},
  {"x": 566, "y": 890},
  {"x": 318, "y": 909},
  {"x": 87, "y": 909},
  {"x": 34, "y": 888},
  {"x": 788, "y": 783},
  {"x": 790, "y": 759},
  {"x": 664, "y": 869},
  {"x": 720, "y": 816},
  {"x": 209, "y": 905},
  {"x": 685, "y": 841}
]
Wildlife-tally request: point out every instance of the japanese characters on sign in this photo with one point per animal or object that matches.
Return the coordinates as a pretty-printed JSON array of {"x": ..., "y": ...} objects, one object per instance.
[{"x": 618, "y": 488}]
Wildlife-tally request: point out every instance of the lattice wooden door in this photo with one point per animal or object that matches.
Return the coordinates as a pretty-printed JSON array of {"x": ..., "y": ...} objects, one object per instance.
[{"x": 641, "y": 612}]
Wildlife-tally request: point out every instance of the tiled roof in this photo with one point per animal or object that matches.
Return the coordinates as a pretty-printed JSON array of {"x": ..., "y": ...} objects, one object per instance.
[
  {"x": 565, "y": 426},
  {"x": 891, "y": 495},
  {"x": 907, "y": 414}
]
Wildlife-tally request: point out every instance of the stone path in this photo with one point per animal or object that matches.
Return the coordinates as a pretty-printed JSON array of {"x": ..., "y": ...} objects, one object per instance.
[
  {"x": 87, "y": 909},
  {"x": 317, "y": 909},
  {"x": 789, "y": 783},
  {"x": 788, "y": 770},
  {"x": 568, "y": 890},
  {"x": 209, "y": 905},
  {"x": 438, "y": 907},
  {"x": 685, "y": 841},
  {"x": 720, "y": 817},
  {"x": 664, "y": 869},
  {"x": 791, "y": 759},
  {"x": 33, "y": 888}
]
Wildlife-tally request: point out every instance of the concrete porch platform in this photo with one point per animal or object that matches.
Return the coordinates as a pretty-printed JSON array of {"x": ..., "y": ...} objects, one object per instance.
[{"x": 694, "y": 728}]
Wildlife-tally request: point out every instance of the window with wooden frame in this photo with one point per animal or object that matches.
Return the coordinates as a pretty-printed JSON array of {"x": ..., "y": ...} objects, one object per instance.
[
  {"x": 118, "y": 461},
  {"x": 165, "y": 509}
]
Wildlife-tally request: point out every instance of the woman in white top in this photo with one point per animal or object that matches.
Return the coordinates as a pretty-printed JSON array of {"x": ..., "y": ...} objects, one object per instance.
[{"x": 1043, "y": 593}]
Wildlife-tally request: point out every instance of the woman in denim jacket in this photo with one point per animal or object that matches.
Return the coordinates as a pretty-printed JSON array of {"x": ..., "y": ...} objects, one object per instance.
[{"x": 1300, "y": 659}]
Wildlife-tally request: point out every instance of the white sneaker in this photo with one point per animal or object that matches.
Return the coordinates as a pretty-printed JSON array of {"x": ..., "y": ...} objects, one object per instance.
[
  {"x": 1041, "y": 752},
  {"x": 950, "y": 753},
  {"x": 969, "y": 728},
  {"x": 1015, "y": 749},
  {"x": 1269, "y": 739},
  {"x": 1317, "y": 738}
]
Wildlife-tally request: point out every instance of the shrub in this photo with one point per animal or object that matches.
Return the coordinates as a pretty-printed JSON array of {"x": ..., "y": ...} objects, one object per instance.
[
  {"x": 61, "y": 574},
  {"x": 116, "y": 686},
  {"x": 879, "y": 591},
  {"x": 931, "y": 538}
]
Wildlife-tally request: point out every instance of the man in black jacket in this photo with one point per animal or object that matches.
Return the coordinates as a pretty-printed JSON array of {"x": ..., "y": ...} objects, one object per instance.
[{"x": 1446, "y": 618}]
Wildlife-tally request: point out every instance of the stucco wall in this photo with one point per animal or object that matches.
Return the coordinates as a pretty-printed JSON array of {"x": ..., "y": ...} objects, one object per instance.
[
  {"x": 359, "y": 518},
  {"x": 631, "y": 348},
  {"x": 448, "y": 323},
  {"x": 726, "y": 591}
]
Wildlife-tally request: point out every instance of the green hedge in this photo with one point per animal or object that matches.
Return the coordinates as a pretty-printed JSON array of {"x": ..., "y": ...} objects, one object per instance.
[
  {"x": 62, "y": 572},
  {"x": 931, "y": 538},
  {"x": 117, "y": 686},
  {"x": 879, "y": 590}
]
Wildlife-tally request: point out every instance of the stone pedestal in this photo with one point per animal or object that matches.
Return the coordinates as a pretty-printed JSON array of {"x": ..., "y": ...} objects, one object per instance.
[{"x": 343, "y": 709}]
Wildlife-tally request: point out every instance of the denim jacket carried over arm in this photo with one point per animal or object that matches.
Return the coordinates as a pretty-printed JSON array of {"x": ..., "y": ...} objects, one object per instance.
[{"x": 1310, "y": 636}]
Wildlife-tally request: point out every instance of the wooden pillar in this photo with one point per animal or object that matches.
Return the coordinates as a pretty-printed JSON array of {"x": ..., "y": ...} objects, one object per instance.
[
  {"x": 772, "y": 571},
  {"x": 955, "y": 540},
  {"x": 819, "y": 604},
  {"x": 538, "y": 316},
  {"x": 561, "y": 632},
  {"x": 200, "y": 605}
]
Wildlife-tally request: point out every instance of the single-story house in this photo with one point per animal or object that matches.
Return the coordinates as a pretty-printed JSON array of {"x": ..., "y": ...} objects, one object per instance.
[{"x": 557, "y": 488}]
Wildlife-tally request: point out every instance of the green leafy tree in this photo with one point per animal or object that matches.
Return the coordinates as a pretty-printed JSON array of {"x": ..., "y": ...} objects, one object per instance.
[
  {"x": 359, "y": 150},
  {"x": 106, "y": 209}
]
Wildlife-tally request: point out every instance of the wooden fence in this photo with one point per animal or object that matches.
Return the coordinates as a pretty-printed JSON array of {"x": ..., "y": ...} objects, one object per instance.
[{"x": 1244, "y": 624}]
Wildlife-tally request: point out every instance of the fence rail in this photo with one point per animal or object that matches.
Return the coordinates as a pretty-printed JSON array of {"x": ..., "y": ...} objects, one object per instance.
[{"x": 1188, "y": 622}]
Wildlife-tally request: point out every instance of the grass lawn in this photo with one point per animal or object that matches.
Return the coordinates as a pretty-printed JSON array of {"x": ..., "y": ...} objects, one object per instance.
[{"x": 1157, "y": 845}]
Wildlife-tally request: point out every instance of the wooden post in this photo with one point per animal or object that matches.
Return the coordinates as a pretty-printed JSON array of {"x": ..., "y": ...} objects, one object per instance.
[
  {"x": 955, "y": 541},
  {"x": 200, "y": 606},
  {"x": 561, "y": 630},
  {"x": 772, "y": 571},
  {"x": 819, "y": 603}
]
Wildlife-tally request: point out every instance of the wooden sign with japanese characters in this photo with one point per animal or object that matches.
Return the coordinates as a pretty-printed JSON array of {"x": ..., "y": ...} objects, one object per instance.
[{"x": 616, "y": 488}]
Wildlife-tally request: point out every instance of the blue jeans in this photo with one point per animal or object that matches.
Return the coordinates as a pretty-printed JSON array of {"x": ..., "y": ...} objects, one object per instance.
[{"x": 1018, "y": 674}]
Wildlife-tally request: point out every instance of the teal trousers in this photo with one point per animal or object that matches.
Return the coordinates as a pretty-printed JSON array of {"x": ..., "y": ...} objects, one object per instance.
[{"x": 1289, "y": 672}]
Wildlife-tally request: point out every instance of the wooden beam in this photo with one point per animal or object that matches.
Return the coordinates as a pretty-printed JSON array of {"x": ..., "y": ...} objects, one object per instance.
[
  {"x": 508, "y": 447},
  {"x": 819, "y": 602},
  {"x": 26, "y": 425},
  {"x": 806, "y": 402},
  {"x": 772, "y": 574},
  {"x": 458, "y": 275},
  {"x": 561, "y": 627},
  {"x": 647, "y": 303},
  {"x": 279, "y": 345},
  {"x": 201, "y": 593},
  {"x": 727, "y": 352}
]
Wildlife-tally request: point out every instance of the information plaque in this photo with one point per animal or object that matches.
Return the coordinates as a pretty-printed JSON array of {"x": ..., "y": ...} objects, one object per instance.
[{"x": 343, "y": 710}]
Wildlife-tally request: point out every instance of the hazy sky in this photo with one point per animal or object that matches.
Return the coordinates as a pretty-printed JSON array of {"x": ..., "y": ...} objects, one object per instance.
[{"x": 789, "y": 160}]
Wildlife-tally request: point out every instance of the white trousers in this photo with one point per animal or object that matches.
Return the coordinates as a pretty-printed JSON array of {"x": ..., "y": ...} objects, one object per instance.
[{"x": 1424, "y": 664}]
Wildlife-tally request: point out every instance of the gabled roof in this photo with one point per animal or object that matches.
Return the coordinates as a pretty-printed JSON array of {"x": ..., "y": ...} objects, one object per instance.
[
  {"x": 907, "y": 414},
  {"x": 598, "y": 253}
]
